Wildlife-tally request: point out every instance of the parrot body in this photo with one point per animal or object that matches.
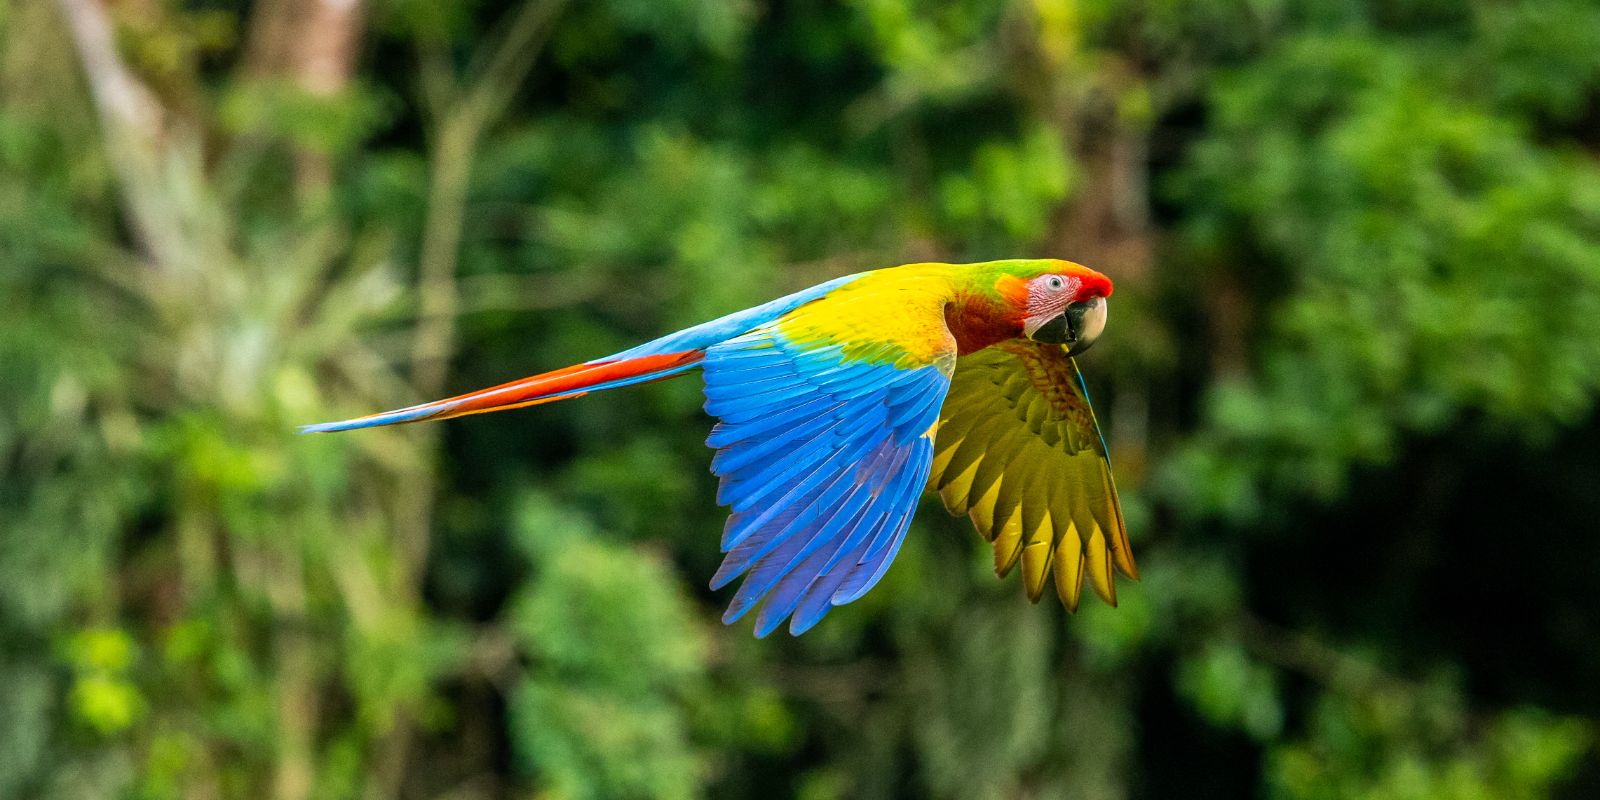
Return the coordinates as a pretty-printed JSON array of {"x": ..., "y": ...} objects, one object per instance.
[{"x": 839, "y": 404}]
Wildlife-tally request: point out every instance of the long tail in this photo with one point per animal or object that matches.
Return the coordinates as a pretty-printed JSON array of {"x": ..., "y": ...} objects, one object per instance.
[
  {"x": 561, "y": 384},
  {"x": 651, "y": 361}
]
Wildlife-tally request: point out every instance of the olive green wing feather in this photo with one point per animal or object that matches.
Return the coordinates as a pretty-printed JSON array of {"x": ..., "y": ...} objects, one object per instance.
[{"x": 1020, "y": 453}]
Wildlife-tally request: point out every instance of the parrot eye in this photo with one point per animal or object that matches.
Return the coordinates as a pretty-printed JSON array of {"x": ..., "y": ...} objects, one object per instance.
[{"x": 1055, "y": 283}]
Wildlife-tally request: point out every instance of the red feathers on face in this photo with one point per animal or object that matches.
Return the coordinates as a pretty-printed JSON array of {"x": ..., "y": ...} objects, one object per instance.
[{"x": 1092, "y": 284}]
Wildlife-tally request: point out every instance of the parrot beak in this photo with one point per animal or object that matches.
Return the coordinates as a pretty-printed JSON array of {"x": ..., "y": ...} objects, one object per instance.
[{"x": 1077, "y": 327}]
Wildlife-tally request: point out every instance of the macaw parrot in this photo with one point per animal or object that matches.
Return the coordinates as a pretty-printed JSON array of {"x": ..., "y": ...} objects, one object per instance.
[{"x": 839, "y": 404}]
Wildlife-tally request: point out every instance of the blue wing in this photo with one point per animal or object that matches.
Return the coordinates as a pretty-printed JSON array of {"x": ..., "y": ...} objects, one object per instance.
[{"x": 821, "y": 461}]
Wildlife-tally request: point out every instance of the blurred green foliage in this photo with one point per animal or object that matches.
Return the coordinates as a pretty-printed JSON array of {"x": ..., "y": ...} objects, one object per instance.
[{"x": 1350, "y": 387}]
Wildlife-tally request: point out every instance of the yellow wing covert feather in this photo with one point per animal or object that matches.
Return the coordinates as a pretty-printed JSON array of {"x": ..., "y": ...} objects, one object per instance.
[{"x": 1020, "y": 453}]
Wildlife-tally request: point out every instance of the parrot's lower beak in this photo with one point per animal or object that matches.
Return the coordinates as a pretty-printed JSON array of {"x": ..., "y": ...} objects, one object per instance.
[{"x": 1076, "y": 328}]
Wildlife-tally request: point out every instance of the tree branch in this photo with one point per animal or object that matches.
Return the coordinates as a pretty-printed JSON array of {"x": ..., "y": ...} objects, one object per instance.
[
  {"x": 455, "y": 143},
  {"x": 133, "y": 123}
]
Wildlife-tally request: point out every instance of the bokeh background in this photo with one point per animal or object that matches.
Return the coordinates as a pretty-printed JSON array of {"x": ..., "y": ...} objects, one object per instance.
[{"x": 1349, "y": 386}]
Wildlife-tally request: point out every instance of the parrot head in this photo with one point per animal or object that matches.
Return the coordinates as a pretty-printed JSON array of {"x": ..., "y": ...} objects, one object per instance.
[{"x": 1059, "y": 302}]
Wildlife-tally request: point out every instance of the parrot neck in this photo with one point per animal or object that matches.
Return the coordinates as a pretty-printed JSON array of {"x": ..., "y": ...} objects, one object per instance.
[{"x": 977, "y": 322}]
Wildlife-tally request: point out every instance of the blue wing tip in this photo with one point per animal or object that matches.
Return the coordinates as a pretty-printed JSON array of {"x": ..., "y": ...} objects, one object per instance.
[
  {"x": 763, "y": 629},
  {"x": 799, "y": 626}
]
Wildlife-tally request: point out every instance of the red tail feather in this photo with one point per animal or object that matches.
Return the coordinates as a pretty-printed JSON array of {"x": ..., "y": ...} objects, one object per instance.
[
  {"x": 566, "y": 383},
  {"x": 561, "y": 384}
]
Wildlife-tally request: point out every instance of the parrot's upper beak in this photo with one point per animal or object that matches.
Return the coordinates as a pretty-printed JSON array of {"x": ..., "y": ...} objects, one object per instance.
[{"x": 1077, "y": 327}]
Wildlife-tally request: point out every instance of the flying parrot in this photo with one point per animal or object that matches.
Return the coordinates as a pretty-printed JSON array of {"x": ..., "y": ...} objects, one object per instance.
[{"x": 839, "y": 404}]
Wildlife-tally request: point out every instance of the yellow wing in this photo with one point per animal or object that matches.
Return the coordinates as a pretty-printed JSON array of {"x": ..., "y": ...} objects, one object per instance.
[{"x": 1020, "y": 453}]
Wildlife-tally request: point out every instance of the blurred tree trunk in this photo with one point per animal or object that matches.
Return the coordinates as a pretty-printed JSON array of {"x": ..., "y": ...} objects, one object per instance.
[{"x": 313, "y": 45}]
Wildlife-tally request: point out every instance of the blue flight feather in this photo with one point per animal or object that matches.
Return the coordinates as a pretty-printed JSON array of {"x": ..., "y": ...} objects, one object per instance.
[
  {"x": 821, "y": 461},
  {"x": 818, "y": 595},
  {"x": 802, "y": 492}
]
